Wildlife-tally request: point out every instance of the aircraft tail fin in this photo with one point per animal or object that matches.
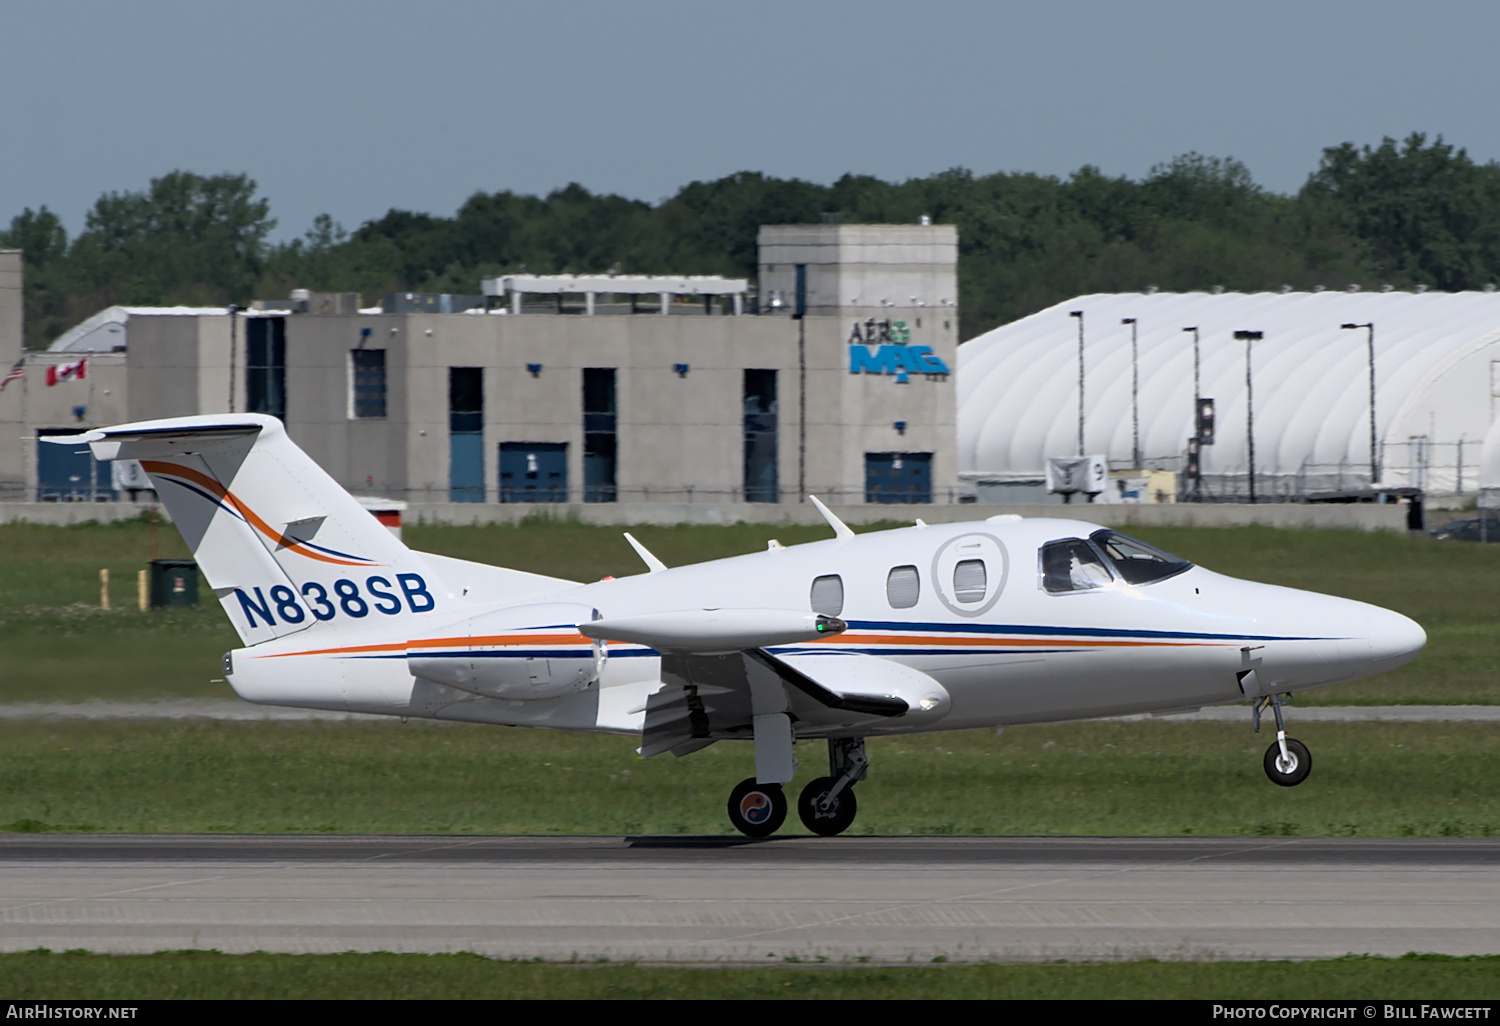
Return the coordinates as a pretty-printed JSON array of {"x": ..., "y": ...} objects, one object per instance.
[{"x": 283, "y": 546}]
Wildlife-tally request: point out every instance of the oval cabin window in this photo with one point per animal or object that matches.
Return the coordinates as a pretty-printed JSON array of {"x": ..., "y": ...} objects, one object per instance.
[
  {"x": 902, "y": 587},
  {"x": 969, "y": 580},
  {"x": 828, "y": 595}
]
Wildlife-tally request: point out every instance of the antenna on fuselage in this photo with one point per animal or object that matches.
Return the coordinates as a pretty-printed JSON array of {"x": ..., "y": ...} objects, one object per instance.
[
  {"x": 652, "y": 563},
  {"x": 840, "y": 528}
]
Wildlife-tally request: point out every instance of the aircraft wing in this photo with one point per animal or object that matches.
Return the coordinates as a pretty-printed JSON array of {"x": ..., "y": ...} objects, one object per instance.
[{"x": 705, "y": 698}]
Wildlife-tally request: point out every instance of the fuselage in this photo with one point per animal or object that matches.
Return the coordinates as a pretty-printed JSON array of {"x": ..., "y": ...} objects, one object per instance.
[{"x": 971, "y": 605}]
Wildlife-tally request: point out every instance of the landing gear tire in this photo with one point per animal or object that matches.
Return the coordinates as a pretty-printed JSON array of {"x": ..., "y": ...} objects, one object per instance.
[
  {"x": 757, "y": 810},
  {"x": 835, "y": 819},
  {"x": 1291, "y": 771}
]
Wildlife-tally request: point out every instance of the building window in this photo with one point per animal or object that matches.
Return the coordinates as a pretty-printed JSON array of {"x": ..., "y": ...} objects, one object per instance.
[
  {"x": 368, "y": 370},
  {"x": 760, "y": 436},
  {"x": 265, "y": 365},
  {"x": 599, "y": 439},
  {"x": 465, "y": 434}
]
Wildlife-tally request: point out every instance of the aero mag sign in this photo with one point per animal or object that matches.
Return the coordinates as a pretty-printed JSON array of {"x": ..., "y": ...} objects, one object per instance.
[{"x": 881, "y": 347}]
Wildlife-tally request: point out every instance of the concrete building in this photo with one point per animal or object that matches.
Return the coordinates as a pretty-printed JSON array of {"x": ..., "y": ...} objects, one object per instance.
[
  {"x": 686, "y": 402},
  {"x": 12, "y": 416}
]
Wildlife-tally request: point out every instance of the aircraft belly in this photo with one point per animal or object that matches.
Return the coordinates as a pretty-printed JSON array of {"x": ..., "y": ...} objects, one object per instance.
[{"x": 1082, "y": 684}]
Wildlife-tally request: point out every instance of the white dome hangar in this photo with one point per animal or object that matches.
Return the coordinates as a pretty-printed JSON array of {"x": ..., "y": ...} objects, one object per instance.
[{"x": 1437, "y": 369}]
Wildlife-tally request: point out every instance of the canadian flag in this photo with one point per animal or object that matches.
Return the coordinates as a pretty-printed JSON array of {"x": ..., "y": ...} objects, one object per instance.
[{"x": 68, "y": 372}]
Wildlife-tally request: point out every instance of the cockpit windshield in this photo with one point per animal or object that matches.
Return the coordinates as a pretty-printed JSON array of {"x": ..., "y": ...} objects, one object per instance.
[{"x": 1137, "y": 562}]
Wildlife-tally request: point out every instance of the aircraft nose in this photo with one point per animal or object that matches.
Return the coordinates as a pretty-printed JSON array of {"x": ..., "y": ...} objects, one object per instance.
[{"x": 1394, "y": 639}]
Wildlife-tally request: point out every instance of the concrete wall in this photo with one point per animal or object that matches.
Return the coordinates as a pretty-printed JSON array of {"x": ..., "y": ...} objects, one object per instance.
[
  {"x": 1361, "y": 517},
  {"x": 863, "y": 269},
  {"x": 163, "y": 362}
]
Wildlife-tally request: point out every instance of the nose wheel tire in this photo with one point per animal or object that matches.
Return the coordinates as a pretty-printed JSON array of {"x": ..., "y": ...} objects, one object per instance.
[
  {"x": 757, "y": 810},
  {"x": 830, "y": 821},
  {"x": 1292, "y": 770}
]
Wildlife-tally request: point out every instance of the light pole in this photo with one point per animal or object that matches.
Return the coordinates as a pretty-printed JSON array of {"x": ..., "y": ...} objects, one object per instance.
[
  {"x": 1248, "y": 337},
  {"x": 1374, "y": 459},
  {"x": 1079, "y": 315},
  {"x": 1135, "y": 390},
  {"x": 1197, "y": 415}
]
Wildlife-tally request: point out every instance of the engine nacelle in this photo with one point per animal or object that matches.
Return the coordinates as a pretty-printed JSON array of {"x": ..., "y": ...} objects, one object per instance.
[{"x": 519, "y": 654}]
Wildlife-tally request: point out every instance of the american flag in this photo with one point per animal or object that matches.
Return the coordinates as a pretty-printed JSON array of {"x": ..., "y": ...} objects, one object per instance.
[{"x": 18, "y": 371}]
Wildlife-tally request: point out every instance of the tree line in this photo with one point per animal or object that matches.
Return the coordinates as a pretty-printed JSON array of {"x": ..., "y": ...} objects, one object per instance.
[{"x": 1403, "y": 213}]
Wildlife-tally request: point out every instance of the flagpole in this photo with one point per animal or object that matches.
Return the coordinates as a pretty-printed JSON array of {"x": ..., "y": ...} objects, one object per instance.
[{"x": 93, "y": 465}]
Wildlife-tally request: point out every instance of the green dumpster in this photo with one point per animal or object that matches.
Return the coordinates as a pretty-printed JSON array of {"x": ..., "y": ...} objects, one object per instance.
[{"x": 174, "y": 582}]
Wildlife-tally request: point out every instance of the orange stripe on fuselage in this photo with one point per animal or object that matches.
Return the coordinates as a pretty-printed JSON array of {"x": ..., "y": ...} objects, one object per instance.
[
  {"x": 504, "y": 640},
  {"x": 423, "y": 643},
  {"x": 199, "y": 478}
]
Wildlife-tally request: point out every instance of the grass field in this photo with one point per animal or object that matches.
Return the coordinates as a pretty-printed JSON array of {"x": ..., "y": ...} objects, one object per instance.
[
  {"x": 1135, "y": 778},
  {"x": 33, "y": 975},
  {"x": 55, "y": 643}
]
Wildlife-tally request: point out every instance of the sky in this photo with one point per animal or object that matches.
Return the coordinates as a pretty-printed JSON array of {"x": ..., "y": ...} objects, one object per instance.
[{"x": 352, "y": 109}]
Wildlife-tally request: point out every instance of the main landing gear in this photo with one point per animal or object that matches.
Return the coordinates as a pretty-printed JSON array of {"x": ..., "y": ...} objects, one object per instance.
[
  {"x": 826, "y": 806},
  {"x": 1287, "y": 762}
]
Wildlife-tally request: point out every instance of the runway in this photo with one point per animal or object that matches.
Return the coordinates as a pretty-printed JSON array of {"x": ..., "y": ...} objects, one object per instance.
[{"x": 730, "y": 900}]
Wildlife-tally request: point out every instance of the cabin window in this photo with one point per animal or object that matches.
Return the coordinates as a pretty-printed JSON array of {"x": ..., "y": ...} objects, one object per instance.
[
  {"x": 828, "y": 595},
  {"x": 902, "y": 587},
  {"x": 1137, "y": 562},
  {"x": 1072, "y": 565},
  {"x": 969, "y": 580}
]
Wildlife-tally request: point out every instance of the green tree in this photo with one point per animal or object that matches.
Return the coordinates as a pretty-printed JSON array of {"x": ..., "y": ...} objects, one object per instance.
[
  {"x": 187, "y": 239},
  {"x": 1423, "y": 213}
]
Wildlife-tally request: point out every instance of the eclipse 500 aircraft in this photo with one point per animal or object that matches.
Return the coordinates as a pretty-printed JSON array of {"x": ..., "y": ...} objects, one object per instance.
[{"x": 933, "y": 627}]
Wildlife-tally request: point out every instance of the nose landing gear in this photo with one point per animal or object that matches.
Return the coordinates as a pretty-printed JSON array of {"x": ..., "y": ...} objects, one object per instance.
[{"x": 1287, "y": 762}]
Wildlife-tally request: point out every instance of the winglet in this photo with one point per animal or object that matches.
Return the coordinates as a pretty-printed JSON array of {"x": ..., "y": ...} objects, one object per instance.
[
  {"x": 840, "y": 528},
  {"x": 651, "y": 561}
]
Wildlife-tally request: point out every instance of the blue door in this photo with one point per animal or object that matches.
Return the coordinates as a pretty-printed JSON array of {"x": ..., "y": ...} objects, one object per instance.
[
  {"x": 898, "y": 477},
  {"x": 466, "y": 466},
  {"x": 533, "y": 472},
  {"x": 69, "y": 473}
]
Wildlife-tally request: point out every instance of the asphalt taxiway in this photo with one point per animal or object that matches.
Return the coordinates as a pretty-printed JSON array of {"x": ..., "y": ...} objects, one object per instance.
[{"x": 697, "y": 900}]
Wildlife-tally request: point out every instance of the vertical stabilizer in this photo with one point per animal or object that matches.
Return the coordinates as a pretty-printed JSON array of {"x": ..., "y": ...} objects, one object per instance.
[{"x": 282, "y": 545}]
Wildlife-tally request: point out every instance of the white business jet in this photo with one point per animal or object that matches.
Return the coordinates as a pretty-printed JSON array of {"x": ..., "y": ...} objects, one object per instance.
[{"x": 933, "y": 627}]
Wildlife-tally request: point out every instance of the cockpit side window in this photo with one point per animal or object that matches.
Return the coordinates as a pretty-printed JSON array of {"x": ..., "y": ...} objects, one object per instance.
[
  {"x": 1137, "y": 562},
  {"x": 1071, "y": 564}
]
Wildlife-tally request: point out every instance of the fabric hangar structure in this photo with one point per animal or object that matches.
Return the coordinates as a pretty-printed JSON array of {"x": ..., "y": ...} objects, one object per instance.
[{"x": 1289, "y": 376}]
